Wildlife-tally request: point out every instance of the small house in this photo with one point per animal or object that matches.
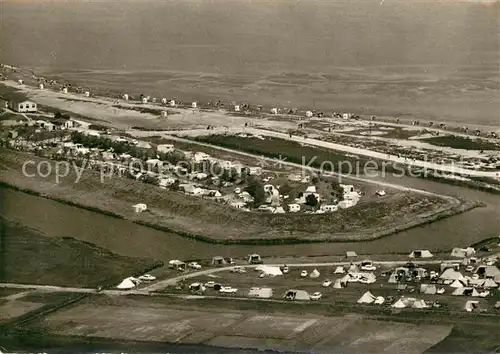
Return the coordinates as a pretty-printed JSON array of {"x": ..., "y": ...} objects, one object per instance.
[
  {"x": 139, "y": 208},
  {"x": 23, "y": 106},
  {"x": 165, "y": 148}
]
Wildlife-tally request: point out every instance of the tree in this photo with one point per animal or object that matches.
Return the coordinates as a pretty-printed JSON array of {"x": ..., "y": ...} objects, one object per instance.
[
  {"x": 256, "y": 189},
  {"x": 311, "y": 200}
]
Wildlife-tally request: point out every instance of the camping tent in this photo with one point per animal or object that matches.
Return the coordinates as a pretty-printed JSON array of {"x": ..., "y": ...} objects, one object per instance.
[
  {"x": 487, "y": 271},
  {"x": 400, "y": 304},
  {"x": 264, "y": 293},
  {"x": 393, "y": 279},
  {"x": 465, "y": 291},
  {"x": 351, "y": 254},
  {"x": 367, "y": 298},
  {"x": 429, "y": 289},
  {"x": 419, "y": 304},
  {"x": 269, "y": 270},
  {"x": 379, "y": 300},
  {"x": 463, "y": 252},
  {"x": 353, "y": 268},
  {"x": 128, "y": 283},
  {"x": 471, "y": 305},
  {"x": 339, "y": 284},
  {"x": 489, "y": 283},
  {"x": 458, "y": 284},
  {"x": 420, "y": 254},
  {"x": 451, "y": 274},
  {"x": 297, "y": 295},
  {"x": 339, "y": 270},
  {"x": 314, "y": 274}
]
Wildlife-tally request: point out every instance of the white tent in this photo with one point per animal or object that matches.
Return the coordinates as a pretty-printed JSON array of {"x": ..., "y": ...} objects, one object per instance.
[
  {"x": 339, "y": 270},
  {"x": 471, "y": 305},
  {"x": 314, "y": 274},
  {"x": 451, "y": 274},
  {"x": 488, "y": 271},
  {"x": 420, "y": 254},
  {"x": 429, "y": 289},
  {"x": 458, "y": 284},
  {"x": 463, "y": 252},
  {"x": 379, "y": 300},
  {"x": 351, "y": 254},
  {"x": 279, "y": 210},
  {"x": 490, "y": 283},
  {"x": 367, "y": 298},
  {"x": 338, "y": 284},
  {"x": 419, "y": 304},
  {"x": 465, "y": 292},
  {"x": 393, "y": 279},
  {"x": 269, "y": 270},
  {"x": 353, "y": 268},
  {"x": 127, "y": 283},
  {"x": 400, "y": 304}
]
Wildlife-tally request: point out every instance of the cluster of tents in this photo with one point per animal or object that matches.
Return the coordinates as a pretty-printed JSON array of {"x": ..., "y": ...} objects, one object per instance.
[{"x": 403, "y": 302}]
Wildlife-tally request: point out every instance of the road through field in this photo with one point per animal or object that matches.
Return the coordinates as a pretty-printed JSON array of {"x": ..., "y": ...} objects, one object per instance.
[{"x": 323, "y": 144}]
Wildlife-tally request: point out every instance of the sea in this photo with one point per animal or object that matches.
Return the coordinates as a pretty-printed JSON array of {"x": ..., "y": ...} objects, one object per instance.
[{"x": 431, "y": 59}]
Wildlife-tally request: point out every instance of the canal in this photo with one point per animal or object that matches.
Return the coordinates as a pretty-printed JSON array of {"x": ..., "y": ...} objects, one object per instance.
[{"x": 126, "y": 238}]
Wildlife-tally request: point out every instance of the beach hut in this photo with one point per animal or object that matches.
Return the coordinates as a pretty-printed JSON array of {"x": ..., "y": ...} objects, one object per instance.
[
  {"x": 87, "y": 93},
  {"x": 367, "y": 298}
]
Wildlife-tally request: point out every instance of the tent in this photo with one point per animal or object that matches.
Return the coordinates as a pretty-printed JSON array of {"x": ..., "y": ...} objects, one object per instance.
[
  {"x": 471, "y": 305},
  {"x": 314, "y": 274},
  {"x": 429, "y": 289},
  {"x": 351, "y": 254},
  {"x": 487, "y": 271},
  {"x": 379, "y": 300},
  {"x": 269, "y": 270},
  {"x": 400, "y": 304},
  {"x": 218, "y": 260},
  {"x": 264, "y": 293},
  {"x": 367, "y": 298},
  {"x": 297, "y": 295},
  {"x": 339, "y": 270},
  {"x": 465, "y": 291},
  {"x": 128, "y": 283},
  {"x": 339, "y": 284},
  {"x": 458, "y": 284},
  {"x": 420, "y": 254},
  {"x": 463, "y": 252},
  {"x": 353, "y": 268},
  {"x": 393, "y": 279},
  {"x": 489, "y": 283},
  {"x": 419, "y": 304},
  {"x": 451, "y": 274}
]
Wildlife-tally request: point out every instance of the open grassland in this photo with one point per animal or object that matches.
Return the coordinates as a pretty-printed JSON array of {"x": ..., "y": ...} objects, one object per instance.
[
  {"x": 459, "y": 142},
  {"x": 29, "y": 257},
  {"x": 286, "y": 328},
  {"x": 206, "y": 220}
]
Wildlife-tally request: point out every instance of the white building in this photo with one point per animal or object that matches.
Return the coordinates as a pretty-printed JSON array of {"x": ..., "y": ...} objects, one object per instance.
[
  {"x": 165, "y": 148},
  {"x": 23, "y": 106}
]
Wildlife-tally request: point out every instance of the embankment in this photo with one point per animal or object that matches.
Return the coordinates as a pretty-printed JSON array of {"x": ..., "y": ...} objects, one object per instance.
[{"x": 205, "y": 220}]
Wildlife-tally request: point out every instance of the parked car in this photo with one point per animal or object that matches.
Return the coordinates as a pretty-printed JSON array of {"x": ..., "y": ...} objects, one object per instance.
[
  {"x": 316, "y": 296},
  {"x": 147, "y": 277},
  {"x": 368, "y": 266},
  {"x": 440, "y": 291},
  {"x": 303, "y": 274},
  {"x": 228, "y": 290},
  {"x": 194, "y": 265},
  {"x": 380, "y": 193},
  {"x": 210, "y": 284},
  {"x": 469, "y": 268},
  {"x": 327, "y": 283}
]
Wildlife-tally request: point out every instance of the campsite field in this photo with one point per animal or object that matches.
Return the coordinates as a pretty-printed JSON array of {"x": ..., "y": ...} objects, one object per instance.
[
  {"x": 29, "y": 257},
  {"x": 197, "y": 218}
]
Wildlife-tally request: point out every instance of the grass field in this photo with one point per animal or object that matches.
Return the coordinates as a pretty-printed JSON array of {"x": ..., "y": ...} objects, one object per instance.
[
  {"x": 459, "y": 142},
  {"x": 29, "y": 257},
  {"x": 203, "y": 219}
]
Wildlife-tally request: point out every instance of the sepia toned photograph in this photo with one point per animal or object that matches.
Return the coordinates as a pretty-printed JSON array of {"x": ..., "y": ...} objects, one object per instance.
[{"x": 250, "y": 176}]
